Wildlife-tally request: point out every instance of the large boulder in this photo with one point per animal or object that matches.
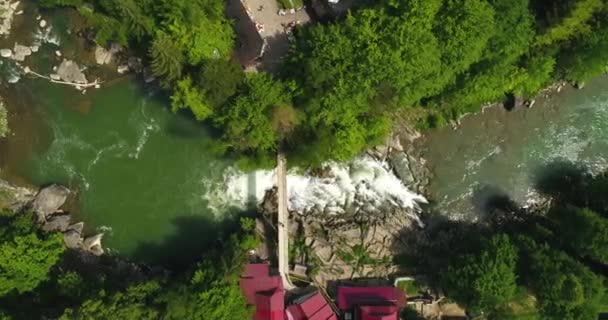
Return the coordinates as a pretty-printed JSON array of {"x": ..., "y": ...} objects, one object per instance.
[
  {"x": 72, "y": 239},
  {"x": 49, "y": 200},
  {"x": 57, "y": 223},
  {"x": 69, "y": 71},
  {"x": 106, "y": 56},
  {"x": 21, "y": 52},
  {"x": 93, "y": 244}
]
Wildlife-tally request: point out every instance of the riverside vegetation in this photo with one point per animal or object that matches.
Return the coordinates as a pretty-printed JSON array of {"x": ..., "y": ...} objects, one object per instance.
[{"x": 341, "y": 84}]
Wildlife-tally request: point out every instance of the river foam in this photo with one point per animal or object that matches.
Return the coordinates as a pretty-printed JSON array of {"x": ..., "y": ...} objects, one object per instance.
[{"x": 362, "y": 184}]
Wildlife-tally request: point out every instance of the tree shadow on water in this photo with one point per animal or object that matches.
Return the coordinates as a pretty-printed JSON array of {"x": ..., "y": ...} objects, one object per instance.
[
  {"x": 560, "y": 178},
  {"x": 488, "y": 200},
  {"x": 193, "y": 237},
  {"x": 567, "y": 182}
]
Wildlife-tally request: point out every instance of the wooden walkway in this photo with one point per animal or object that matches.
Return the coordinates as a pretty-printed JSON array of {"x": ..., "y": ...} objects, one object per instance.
[{"x": 283, "y": 221}]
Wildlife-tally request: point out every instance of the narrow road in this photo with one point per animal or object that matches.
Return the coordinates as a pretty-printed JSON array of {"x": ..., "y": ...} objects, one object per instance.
[{"x": 283, "y": 220}]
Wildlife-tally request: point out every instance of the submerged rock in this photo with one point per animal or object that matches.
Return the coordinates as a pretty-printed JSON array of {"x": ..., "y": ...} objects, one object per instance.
[{"x": 49, "y": 200}]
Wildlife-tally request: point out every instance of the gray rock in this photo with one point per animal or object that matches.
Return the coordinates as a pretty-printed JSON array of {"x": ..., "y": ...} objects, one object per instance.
[
  {"x": 122, "y": 69},
  {"x": 49, "y": 200},
  {"x": 35, "y": 48},
  {"x": 42, "y": 23},
  {"x": 78, "y": 227},
  {"x": 106, "y": 56},
  {"x": 57, "y": 223},
  {"x": 72, "y": 239},
  {"x": 55, "y": 76},
  {"x": 69, "y": 71},
  {"x": 20, "y": 52},
  {"x": 14, "y": 198},
  {"x": 93, "y": 244},
  {"x": 6, "y": 53},
  {"x": 401, "y": 166}
]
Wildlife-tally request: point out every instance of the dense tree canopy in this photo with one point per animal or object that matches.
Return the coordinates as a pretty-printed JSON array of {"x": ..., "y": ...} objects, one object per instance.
[
  {"x": 484, "y": 281},
  {"x": 566, "y": 289},
  {"x": 26, "y": 258},
  {"x": 429, "y": 60},
  {"x": 584, "y": 231},
  {"x": 36, "y": 284}
]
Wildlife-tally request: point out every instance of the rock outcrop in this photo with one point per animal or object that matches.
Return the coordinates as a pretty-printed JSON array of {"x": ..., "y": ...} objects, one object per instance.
[
  {"x": 20, "y": 52},
  {"x": 14, "y": 198},
  {"x": 49, "y": 200},
  {"x": 47, "y": 207},
  {"x": 69, "y": 71}
]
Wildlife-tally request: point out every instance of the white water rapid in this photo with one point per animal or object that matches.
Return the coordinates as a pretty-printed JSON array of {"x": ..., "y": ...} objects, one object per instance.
[{"x": 363, "y": 184}]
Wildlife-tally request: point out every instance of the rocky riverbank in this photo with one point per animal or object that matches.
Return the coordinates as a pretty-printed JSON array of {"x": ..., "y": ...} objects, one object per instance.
[
  {"x": 47, "y": 205},
  {"x": 361, "y": 242}
]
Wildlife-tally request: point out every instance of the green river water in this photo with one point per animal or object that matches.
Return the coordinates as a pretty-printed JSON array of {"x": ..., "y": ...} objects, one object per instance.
[{"x": 140, "y": 171}]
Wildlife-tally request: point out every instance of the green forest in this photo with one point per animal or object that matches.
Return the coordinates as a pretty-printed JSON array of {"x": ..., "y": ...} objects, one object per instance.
[
  {"x": 343, "y": 83},
  {"x": 40, "y": 279}
]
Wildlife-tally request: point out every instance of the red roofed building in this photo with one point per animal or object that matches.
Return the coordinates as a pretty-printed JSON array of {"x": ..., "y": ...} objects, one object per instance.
[
  {"x": 264, "y": 291},
  {"x": 313, "y": 307},
  {"x": 370, "y": 303}
]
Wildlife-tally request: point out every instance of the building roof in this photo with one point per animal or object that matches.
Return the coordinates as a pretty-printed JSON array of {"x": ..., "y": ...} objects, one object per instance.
[
  {"x": 350, "y": 297},
  {"x": 313, "y": 308},
  {"x": 270, "y": 305},
  {"x": 264, "y": 291},
  {"x": 379, "y": 313},
  {"x": 253, "y": 270}
]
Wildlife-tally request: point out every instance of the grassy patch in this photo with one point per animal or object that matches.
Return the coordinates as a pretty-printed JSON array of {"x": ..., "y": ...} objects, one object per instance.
[
  {"x": 411, "y": 287},
  {"x": 290, "y": 4}
]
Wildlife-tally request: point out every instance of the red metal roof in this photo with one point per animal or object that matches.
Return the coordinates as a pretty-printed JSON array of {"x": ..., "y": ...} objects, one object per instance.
[
  {"x": 254, "y": 270},
  {"x": 270, "y": 305},
  {"x": 378, "y": 313},
  {"x": 350, "y": 297},
  {"x": 264, "y": 291},
  {"x": 313, "y": 308}
]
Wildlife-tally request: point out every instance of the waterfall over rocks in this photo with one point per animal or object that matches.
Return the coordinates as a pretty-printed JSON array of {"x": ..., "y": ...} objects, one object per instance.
[{"x": 362, "y": 186}]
